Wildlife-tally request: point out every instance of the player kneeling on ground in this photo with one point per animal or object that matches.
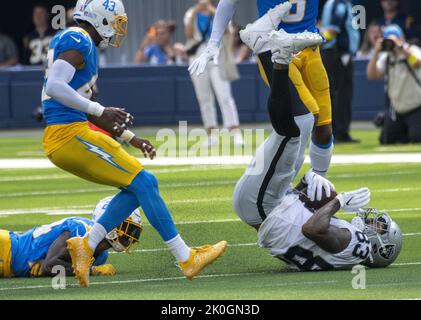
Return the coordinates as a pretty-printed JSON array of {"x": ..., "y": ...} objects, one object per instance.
[{"x": 36, "y": 252}]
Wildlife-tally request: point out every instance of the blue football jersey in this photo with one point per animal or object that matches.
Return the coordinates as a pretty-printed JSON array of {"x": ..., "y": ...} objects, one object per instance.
[
  {"x": 302, "y": 17},
  {"x": 83, "y": 80},
  {"x": 34, "y": 244}
]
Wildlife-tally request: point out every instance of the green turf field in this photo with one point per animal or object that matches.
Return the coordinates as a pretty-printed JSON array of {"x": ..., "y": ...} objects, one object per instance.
[
  {"x": 29, "y": 145},
  {"x": 199, "y": 198}
]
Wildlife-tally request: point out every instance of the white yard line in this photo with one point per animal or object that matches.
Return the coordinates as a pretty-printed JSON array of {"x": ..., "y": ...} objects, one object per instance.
[
  {"x": 163, "y": 186},
  {"x": 240, "y": 245},
  {"x": 87, "y": 209},
  {"x": 224, "y": 275},
  {"x": 106, "y": 189},
  {"x": 212, "y": 276},
  {"x": 228, "y": 160},
  {"x": 200, "y": 168}
]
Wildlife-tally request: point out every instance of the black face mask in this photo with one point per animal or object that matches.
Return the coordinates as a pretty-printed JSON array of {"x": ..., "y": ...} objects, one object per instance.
[{"x": 131, "y": 234}]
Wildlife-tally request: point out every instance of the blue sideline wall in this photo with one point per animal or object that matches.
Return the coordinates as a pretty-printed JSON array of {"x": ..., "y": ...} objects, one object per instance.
[{"x": 163, "y": 95}]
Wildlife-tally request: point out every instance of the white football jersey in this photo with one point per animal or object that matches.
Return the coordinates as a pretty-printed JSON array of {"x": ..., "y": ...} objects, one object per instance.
[{"x": 281, "y": 233}]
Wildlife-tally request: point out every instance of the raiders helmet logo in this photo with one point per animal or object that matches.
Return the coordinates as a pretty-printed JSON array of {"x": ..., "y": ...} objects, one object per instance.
[{"x": 387, "y": 251}]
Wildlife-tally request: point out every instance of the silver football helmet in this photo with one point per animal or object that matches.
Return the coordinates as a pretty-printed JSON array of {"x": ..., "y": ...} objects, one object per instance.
[{"x": 384, "y": 235}]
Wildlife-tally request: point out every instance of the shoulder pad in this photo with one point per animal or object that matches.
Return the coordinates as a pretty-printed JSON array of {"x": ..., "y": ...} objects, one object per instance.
[{"x": 75, "y": 39}]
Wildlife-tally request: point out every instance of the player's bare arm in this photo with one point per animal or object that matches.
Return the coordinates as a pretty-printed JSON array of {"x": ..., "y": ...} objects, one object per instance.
[
  {"x": 318, "y": 229},
  {"x": 57, "y": 256},
  {"x": 331, "y": 238}
]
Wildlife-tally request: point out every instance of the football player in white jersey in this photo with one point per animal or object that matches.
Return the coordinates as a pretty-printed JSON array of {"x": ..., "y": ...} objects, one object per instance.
[
  {"x": 305, "y": 233},
  {"x": 299, "y": 226}
]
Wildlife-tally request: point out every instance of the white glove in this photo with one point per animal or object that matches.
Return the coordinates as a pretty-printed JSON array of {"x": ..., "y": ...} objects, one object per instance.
[
  {"x": 198, "y": 66},
  {"x": 316, "y": 184},
  {"x": 354, "y": 200}
]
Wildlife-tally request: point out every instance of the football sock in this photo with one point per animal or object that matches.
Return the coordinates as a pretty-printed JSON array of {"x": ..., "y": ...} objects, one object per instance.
[
  {"x": 145, "y": 187},
  {"x": 280, "y": 105},
  {"x": 321, "y": 156},
  {"x": 96, "y": 235},
  {"x": 179, "y": 249}
]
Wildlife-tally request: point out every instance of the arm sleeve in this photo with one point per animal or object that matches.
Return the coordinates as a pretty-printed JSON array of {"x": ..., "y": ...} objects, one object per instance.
[
  {"x": 224, "y": 13},
  {"x": 58, "y": 88}
]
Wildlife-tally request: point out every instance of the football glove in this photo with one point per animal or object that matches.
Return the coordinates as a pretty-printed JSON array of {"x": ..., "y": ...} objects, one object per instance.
[
  {"x": 36, "y": 270},
  {"x": 354, "y": 200},
  {"x": 104, "y": 270},
  {"x": 198, "y": 66},
  {"x": 316, "y": 184}
]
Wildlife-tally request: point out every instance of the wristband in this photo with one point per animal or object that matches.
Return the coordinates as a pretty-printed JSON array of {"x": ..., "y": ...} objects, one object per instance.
[
  {"x": 127, "y": 136},
  {"x": 95, "y": 109}
]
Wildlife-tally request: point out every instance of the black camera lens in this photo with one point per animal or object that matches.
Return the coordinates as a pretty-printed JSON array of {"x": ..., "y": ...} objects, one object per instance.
[{"x": 388, "y": 45}]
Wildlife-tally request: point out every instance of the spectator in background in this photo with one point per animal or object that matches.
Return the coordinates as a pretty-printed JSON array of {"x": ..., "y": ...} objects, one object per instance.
[
  {"x": 157, "y": 47},
  {"x": 216, "y": 81},
  {"x": 36, "y": 43},
  {"x": 342, "y": 44},
  {"x": 400, "y": 64},
  {"x": 242, "y": 52},
  {"x": 8, "y": 51},
  {"x": 371, "y": 36},
  {"x": 70, "y": 22},
  {"x": 393, "y": 14}
]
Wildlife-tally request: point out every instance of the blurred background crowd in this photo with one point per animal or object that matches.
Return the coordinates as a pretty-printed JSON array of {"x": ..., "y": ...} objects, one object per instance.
[{"x": 390, "y": 43}]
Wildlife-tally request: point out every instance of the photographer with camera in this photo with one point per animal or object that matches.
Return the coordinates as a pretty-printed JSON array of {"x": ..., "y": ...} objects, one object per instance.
[{"x": 399, "y": 63}]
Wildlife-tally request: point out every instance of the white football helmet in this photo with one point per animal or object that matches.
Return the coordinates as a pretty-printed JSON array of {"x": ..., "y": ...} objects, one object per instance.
[
  {"x": 384, "y": 235},
  {"x": 124, "y": 237},
  {"x": 108, "y": 17}
]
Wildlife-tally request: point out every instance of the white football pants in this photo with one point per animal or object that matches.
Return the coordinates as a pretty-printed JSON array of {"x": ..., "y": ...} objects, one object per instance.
[
  {"x": 281, "y": 158},
  {"x": 208, "y": 85}
]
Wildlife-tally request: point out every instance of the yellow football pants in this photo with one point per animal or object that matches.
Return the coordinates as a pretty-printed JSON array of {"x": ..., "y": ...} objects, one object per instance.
[
  {"x": 309, "y": 77},
  {"x": 90, "y": 155}
]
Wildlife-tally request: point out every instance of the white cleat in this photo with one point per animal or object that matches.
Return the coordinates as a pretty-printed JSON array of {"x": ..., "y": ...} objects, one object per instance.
[
  {"x": 285, "y": 45},
  {"x": 256, "y": 35}
]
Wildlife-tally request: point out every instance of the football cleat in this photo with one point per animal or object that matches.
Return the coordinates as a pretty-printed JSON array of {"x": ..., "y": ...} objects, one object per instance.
[
  {"x": 82, "y": 259},
  {"x": 105, "y": 270},
  {"x": 256, "y": 35},
  {"x": 285, "y": 45},
  {"x": 200, "y": 258}
]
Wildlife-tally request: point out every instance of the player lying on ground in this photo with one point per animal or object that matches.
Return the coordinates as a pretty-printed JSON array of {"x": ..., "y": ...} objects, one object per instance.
[
  {"x": 36, "y": 252},
  {"x": 299, "y": 226},
  {"x": 72, "y": 146},
  {"x": 309, "y": 83}
]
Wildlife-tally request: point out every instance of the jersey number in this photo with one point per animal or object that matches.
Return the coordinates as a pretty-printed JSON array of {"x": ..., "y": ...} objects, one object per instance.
[
  {"x": 298, "y": 11},
  {"x": 109, "y": 5},
  {"x": 40, "y": 231},
  {"x": 305, "y": 260},
  {"x": 358, "y": 252}
]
